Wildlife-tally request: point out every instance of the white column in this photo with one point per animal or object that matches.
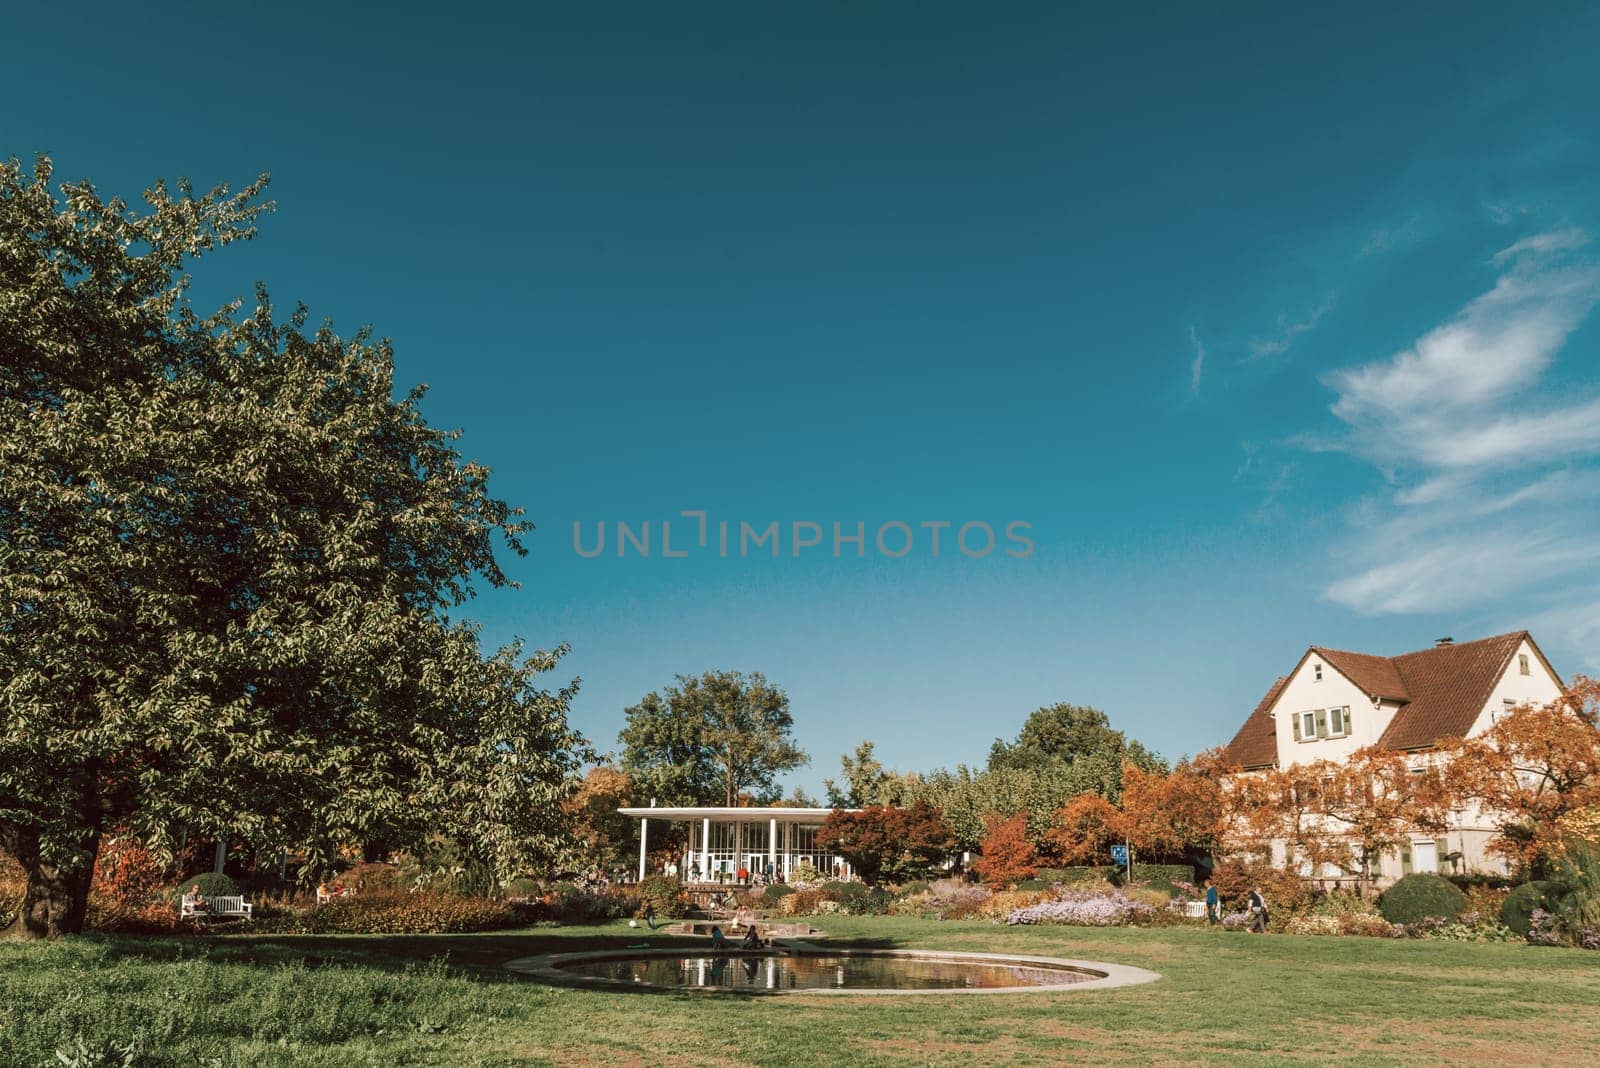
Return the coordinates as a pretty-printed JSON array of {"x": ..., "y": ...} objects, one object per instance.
[
  {"x": 788, "y": 852},
  {"x": 644, "y": 834},
  {"x": 772, "y": 843},
  {"x": 705, "y": 848}
]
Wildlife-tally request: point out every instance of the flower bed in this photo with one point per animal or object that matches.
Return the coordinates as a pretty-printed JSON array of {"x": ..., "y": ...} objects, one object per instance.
[{"x": 1084, "y": 909}]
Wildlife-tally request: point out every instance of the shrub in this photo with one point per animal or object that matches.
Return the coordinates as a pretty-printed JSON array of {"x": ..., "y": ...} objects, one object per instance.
[
  {"x": 999, "y": 906},
  {"x": 1163, "y": 873},
  {"x": 125, "y": 871},
  {"x": 211, "y": 884},
  {"x": 571, "y": 903},
  {"x": 1523, "y": 901},
  {"x": 1421, "y": 896},
  {"x": 916, "y": 886},
  {"x": 371, "y": 878},
  {"x": 522, "y": 890},
  {"x": 774, "y": 894},
  {"x": 1082, "y": 873},
  {"x": 12, "y": 892},
  {"x": 397, "y": 912},
  {"x": 665, "y": 895}
]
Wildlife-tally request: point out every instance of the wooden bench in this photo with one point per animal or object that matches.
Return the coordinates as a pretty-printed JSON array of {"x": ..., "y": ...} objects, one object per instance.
[{"x": 214, "y": 908}]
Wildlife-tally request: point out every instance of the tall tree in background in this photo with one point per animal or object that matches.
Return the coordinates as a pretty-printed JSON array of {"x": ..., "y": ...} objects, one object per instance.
[
  {"x": 227, "y": 557},
  {"x": 602, "y": 835},
  {"x": 864, "y": 781},
  {"x": 1066, "y": 734},
  {"x": 710, "y": 739}
]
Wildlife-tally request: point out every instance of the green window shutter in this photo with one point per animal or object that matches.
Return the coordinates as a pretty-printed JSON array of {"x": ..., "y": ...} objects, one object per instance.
[
  {"x": 1347, "y": 728},
  {"x": 1322, "y": 723},
  {"x": 1297, "y": 726},
  {"x": 1405, "y": 859}
]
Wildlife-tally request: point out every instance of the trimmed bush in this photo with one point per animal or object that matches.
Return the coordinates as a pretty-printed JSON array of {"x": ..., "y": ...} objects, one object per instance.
[
  {"x": 1517, "y": 912},
  {"x": 402, "y": 913},
  {"x": 774, "y": 894},
  {"x": 1420, "y": 896},
  {"x": 1081, "y": 873},
  {"x": 211, "y": 884}
]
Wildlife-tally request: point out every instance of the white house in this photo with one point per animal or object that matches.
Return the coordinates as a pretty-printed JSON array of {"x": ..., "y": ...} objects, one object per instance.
[
  {"x": 723, "y": 840},
  {"x": 1334, "y": 702}
]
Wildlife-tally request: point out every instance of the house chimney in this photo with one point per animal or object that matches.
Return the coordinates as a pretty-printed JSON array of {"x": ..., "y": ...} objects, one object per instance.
[{"x": 1446, "y": 640}]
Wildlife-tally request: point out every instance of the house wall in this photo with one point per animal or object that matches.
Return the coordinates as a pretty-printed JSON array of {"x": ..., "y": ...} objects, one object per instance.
[
  {"x": 1537, "y": 687},
  {"x": 1305, "y": 693}
]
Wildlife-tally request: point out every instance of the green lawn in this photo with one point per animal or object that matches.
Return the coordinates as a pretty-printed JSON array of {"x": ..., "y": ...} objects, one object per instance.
[{"x": 441, "y": 999}]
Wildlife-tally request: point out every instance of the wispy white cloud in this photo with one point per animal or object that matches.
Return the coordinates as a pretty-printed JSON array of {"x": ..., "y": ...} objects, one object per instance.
[
  {"x": 1197, "y": 364},
  {"x": 1547, "y": 242},
  {"x": 1494, "y": 484},
  {"x": 1278, "y": 342}
]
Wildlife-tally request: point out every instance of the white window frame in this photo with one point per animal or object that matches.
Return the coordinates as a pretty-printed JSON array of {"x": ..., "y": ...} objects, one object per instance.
[
  {"x": 1344, "y": 722},
  {"x": 1308, "y": 725},
  {"x": 1316, "y": 672},
  {"x": 1522, "y": 664}
]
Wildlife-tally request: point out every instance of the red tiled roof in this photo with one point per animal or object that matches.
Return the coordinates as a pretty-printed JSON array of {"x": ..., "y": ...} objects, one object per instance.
[
  {"x": 1376, "y": 675},
  {"x": 1256, "y": 744},
  {"x": 1441, "y": 692}
]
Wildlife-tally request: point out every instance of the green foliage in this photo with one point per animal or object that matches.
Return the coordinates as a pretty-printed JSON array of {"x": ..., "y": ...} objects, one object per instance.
[
  {"x": 1421, "y": 896},
  {"x": 1083, "y": 873},
  {"x": 371, "y": 878},
  {"x": 864, "y": 781},
  {"x": 1517, "y": 911},
  {"x": 211, "y": 884},
  {"x": 710, "y": 739},
  {"x": 1578, "y": 868},
  {"x": 1066, "y": 734},
  {"x": 226, "y": 544},
  {"x": 665, "y": 895},
  {"x": 775, "y": 893},
  {"x": 1166, "y": 874}
]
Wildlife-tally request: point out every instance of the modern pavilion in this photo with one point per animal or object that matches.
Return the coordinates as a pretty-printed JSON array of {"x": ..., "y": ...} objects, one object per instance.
[{"x": 722, "y": 840}]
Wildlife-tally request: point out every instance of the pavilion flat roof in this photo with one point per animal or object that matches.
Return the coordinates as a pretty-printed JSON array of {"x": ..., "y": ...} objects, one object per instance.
[{"x": 720, "y": 812}]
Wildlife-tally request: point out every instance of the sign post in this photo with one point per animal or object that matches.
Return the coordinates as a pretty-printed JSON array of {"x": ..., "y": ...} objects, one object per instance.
[{"x": 1123, "y": 855}]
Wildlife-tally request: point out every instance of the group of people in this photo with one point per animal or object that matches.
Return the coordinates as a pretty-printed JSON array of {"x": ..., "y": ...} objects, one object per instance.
[{"x": 1255, "y": 907}]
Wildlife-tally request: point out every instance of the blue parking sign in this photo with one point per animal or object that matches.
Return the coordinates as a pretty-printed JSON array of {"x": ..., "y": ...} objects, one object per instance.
[{"x": 1119, "y": 853}]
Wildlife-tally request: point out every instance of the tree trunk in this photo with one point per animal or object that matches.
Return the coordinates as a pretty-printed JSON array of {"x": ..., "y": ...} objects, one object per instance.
[{"x": 57, "y": 898}]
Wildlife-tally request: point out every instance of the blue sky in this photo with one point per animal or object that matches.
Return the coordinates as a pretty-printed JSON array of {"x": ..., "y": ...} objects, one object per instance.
[{"x": 1277, "y": 328}]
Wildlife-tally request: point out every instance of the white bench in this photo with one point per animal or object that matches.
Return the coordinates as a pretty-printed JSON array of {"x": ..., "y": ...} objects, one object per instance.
[
  {"x": 325, "y": 896},
  {"x": 222, "y": 908}
]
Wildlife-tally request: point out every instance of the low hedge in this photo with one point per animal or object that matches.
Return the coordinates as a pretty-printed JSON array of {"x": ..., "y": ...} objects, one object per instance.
[
  {"x": 1420, "y": 896},
  {"x": 1077, "y": 874},
  {"x": 775, "y": 893},
  {"x": 403, "y": 913}
]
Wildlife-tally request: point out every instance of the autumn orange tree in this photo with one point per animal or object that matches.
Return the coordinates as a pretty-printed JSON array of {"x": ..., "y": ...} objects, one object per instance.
[
  {"x": 1008, "y": 856},
  {"x": 1173, "y": 815},
  {"x": 601, "y": 833},
  {"x": 1534, "y": 767},
  {"x": 1374, "y": 801},
  {"x": 1085, "y": 829}
]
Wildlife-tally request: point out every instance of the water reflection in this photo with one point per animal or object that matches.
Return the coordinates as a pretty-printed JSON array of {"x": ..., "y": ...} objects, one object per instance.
[{"x": 822, "y": 972}]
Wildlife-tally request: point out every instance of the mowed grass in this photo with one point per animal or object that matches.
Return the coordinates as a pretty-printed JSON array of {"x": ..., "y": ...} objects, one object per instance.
[{"x": 403, "y": 1000}]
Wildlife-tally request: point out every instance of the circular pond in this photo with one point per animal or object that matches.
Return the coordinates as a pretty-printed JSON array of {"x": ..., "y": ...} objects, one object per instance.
[{"x": 822, "y": 971}]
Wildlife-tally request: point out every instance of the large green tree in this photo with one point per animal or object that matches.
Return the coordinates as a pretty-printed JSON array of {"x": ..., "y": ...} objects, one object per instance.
[
  {"x": 1063, "y": 733},
  {"x": 711, "y": 739},
  {"x": 228, "y": 555}
]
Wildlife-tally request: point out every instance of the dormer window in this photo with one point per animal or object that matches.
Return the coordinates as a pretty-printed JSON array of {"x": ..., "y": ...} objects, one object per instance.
[
  {"x": 1522, "y": 664},
  {"x": 1316, "y": 670}
]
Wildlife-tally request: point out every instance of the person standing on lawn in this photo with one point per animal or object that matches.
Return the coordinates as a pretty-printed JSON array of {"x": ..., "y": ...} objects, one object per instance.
[{"x": 1213, "y": 904}]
